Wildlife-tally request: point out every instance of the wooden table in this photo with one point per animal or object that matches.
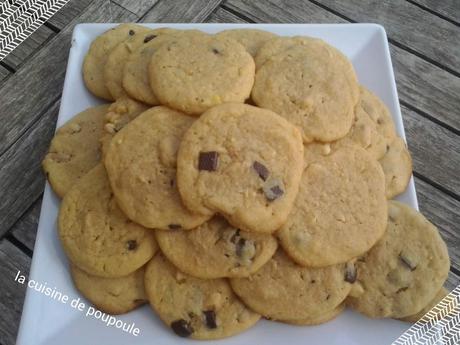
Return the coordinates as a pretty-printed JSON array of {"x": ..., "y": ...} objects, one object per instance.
[{"x": 424, "y": 40}]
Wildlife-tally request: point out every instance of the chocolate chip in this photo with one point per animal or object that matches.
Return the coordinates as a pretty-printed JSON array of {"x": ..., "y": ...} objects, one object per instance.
[
  {"x": 149, "y": 38},
  {"x": 402, "y": 289},
  {"x": 182, "y": 328},
  {"x": 407, "y": 262},
  {"x": 273, "y": 189},
  {"x": 239, "y": 246},
  {"x": 131, "y": 244},
  {"x": 350, "y": 273},
  {"x": 172, "y": 182},
  {"x": 261, "y": 170},
  {"x": 215, "y": 51},
  {"x": 235, "y": 236},
  {"x": 131, "y": 32},
  {"x": 208, "y": 161},
  {"x": 210, "y": 318},
  {"x": 175, "y": 226}
]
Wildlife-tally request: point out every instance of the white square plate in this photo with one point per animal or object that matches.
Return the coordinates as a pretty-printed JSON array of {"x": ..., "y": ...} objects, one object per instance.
[{"x": 49, "y": 322}]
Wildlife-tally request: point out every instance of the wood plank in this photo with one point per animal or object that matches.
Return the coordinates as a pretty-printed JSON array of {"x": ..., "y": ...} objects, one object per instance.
[
  {"x": 4, "y": 73},
  {"x": 24, "y": 159},
  {"x": 435, "y": 150},
  {"x": 221, "y": 15},
  {"x": 444, "y": 212},
  {"x": 453, "y": 280},
  {"x": 425, "y": 86},
  {"x": 448, "y": 8},
  {"x": 69, "y": 12},
  {"x": 33, "y": 88},
  {"x": 425, "y": 33},
  {"x": 27, "y": 48},
  {"x": 176, "y": 11},
  {"x": 12, "y": 298},
  {"x": 25, "y": 229},
  {"x": 138, "y": 7}
]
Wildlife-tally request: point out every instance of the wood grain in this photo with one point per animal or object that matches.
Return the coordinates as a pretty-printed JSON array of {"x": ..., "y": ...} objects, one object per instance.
[
  {"x": 4, "y": 73},
  {"x": 26, "y": 95},
  {"x": 425, "y": 33},
  {"x": 138, "y": 7},
  {"x": 12, "y": 260},
  {"x": 447, "y": 8},
  {"x": 435, "y": 150},
  {"x": 453, "y": 280},
  {"x": 427, "y": 87},
  {"x": 23, "y": 159},
  {"x": 221, "y": 15},
  {"x": 28, "y": 47},
  {"x": 25, "y": 229},
  {"x": 175, "y": 11},
  {"x": 71, "y": 10}
]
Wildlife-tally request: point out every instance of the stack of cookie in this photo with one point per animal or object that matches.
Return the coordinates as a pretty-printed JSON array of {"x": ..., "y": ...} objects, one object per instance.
[{"x": 237, "y": 176}]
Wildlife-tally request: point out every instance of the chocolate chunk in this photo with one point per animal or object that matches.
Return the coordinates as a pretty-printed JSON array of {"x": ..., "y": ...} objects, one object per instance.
[
  {"x": 235, "y": 236},
  {"x": 131, "y": 32},
  {"x": 239, "y": 246},
  {"x": 261, "y": 170},
  {"x": 210, "y": 318},
  {"x": 175, "y": 226},
  {"x": 407, "y": 262},
  {"x": 182, "y": 328},
  {"x": 402, "y": 289},
  {"x": 215, "y": 51},
  {"x": 273, "y": 189},
  {"x": 350, "y": 273},
  {"x": 131, "y": 244},
  {"x": 149, "y": 38},
  {"x": 208, "y": 161}
]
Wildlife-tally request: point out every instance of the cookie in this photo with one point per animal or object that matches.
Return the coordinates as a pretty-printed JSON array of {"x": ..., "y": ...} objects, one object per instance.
[
  {"x": 141, "y": 165},
  {"x": 323, "y": 318},
  {"x": 74, "y": 149},
  {"x": 196, "y": 72},
  {"x": 111, "y": 295},
  {"x": 341, "y": 209},
  {"x": 278, "y": 45},
  {"x": 96, "y": 236},
  {"x": 242, "y": 162},
  {"x": 373, "y": 127},
  {"x": 283, "y": 290},
  {"x": 216, "y": 249},
  {"x": 192, "y": 307},
  {"x": 416, "y": 317},
  {"x": 313, "y": 86},
  {"x": 405, "y": 270},
  {"x": 136, "y": 70},
  {"x": 121, "y": 112},
  {"x": 397, "y": 167},
  {"x": 113, "y": 69},
  {"x": 251, "y": 39},
  {"x": 96, "y": 58}
]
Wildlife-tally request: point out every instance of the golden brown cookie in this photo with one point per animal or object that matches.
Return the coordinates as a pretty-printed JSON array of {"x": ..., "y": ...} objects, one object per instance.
[
  {"x": 405, "y": 270},
  {"x": 216, "y": 249},
  {"x": 439, "y": 296},
  {"x": 251, "y": 39},
  {"x": 192, "y": 307},
  {"x": 96, "y": 236},
  {"x": 242, "y": 162},
  {"x": 74, "y": 149},
  {"x": 323, "y": 318},
  {"x": 141, "y": 165}
]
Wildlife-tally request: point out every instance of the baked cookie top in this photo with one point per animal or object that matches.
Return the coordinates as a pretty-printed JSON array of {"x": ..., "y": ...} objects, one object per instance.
[
  {"x": 373, "y": 127},
  {"x": 119, "y": 113},
  {"x": 111, "y": 295},
  {"x": 192, "y": 307},
  {"x": 96, "y": 236},
  {"x": 74, "y": 149},
  {"x": 114, "y": 66},
  {"x": 193, "y": 73},
  {"x": 283, "y": 290},
  {"x": 397, "y": 167},
  {"x": 313, "y": 86},
  {"x": 242, "y": 162},
  {"x": 405, "y": 270},
  {"x": 341, "y": 209},
  {"x": 141, "y": 165},
  {"x": 438, "y": 298},
  {"x": 216, "y": 249},
  {"x": 251, "y": 39},
  {"x": 96, "y": 58}
]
